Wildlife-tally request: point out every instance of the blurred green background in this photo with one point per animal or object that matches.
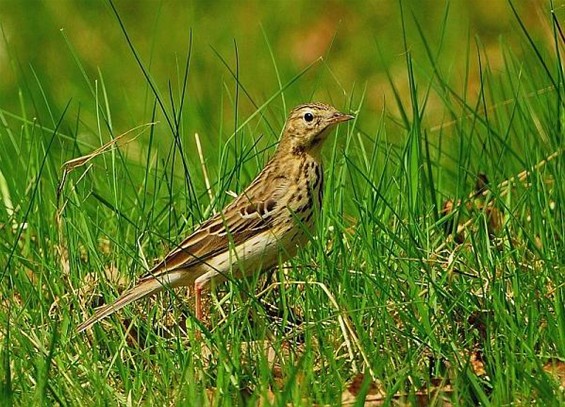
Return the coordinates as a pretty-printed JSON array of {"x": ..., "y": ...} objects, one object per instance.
[
  {"x": 74, "y": 55},
  {"x": 58, "y": 50}
]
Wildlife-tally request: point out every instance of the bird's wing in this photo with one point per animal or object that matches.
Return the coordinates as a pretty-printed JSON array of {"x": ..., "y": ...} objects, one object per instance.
[{"x": 250, "y": 214}]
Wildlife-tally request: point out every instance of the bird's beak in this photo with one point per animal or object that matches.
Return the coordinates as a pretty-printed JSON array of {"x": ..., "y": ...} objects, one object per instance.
[{"x": 339, "y": 117}]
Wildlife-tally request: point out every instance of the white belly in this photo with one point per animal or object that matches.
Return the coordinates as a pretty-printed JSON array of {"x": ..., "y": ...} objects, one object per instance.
[{"x": 256, "y": 254}]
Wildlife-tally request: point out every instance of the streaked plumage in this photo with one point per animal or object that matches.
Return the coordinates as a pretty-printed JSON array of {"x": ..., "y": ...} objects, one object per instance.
[{"x": 267, "y": 222}]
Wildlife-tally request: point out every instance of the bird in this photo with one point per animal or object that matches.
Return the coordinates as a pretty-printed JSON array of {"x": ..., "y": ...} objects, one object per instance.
[{"x": 264, "y": 225}]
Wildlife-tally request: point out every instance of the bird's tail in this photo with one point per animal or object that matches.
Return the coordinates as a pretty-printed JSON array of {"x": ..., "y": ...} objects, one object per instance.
[{"x": 147, "y": 286}]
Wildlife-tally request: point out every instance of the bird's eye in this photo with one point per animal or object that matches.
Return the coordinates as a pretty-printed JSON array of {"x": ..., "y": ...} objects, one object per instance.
[{"x": 308, "y": 117}]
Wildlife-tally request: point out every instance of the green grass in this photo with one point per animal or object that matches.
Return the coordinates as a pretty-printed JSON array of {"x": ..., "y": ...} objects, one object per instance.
[{"x": 381, "y": 294}]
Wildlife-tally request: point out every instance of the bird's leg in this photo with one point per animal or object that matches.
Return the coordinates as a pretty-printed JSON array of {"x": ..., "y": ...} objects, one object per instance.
[
  {"x": 198, "y": 300},
  {"x": 201, "y": 283}
]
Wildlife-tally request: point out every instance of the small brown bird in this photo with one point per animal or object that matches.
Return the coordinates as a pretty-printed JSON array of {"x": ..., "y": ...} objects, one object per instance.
[{"x": 267, "y": 223}]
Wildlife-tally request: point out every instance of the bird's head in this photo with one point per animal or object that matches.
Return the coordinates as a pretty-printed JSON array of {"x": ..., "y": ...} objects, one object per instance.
[{"x": 307, "y": 127}]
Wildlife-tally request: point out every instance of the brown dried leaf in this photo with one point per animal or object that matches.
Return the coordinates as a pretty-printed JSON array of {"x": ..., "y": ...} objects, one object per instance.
[
  {"x": 439, "y": 394},
  {"x": 556, "y": 368},
  {"x": 375, "y": 395},
  {"x": 477, "y": 364}
]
